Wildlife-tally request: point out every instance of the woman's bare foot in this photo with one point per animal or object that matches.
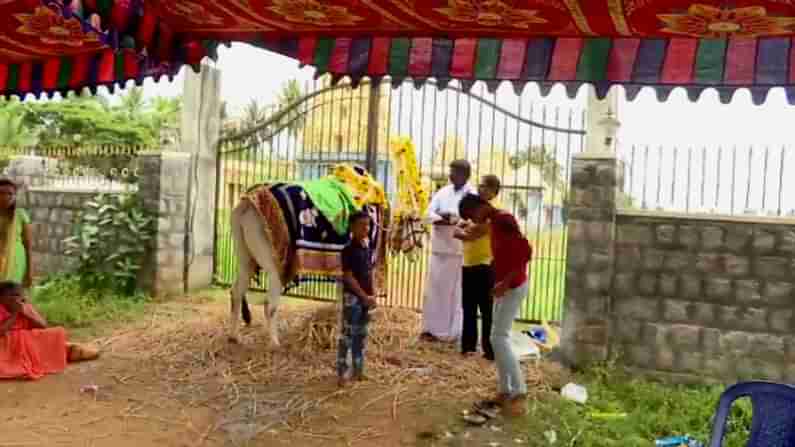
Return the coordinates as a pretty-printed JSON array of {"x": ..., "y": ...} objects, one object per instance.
[{"x": 80, "y": 353}]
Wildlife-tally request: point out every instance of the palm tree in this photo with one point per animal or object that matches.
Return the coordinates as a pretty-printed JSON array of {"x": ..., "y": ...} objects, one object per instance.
[
  {"x": 133, "y": 103},
  {"x": 289, "y": 95},
  {"x": 165, "y": 112},
  {"x": 13, "y": 132},
  {"x": 253, "y": 114}
]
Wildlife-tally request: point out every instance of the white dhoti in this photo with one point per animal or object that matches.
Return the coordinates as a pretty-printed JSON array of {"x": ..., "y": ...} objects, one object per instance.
[{"x": 442, "y": 314}]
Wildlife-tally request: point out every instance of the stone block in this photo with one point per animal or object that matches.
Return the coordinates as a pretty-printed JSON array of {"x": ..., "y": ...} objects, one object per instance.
[
  {"x": 712, "y": 264},
  {"x": 599, "y": 231},
  {"x": 690, "y": 362},
  {"x": 626, "y": 330},
  {"x": 640, "y": 355},
  {"x": 668, "y": 285},
  {"x": 769, "y": 267},
  {"x": 652, "y": 259},
  {"x": 637, "y": 308},
  {"x": 764, "y": 241},
  {"x": 635, "y": 234},
  {"x": 647, "y": 284},
  {"x": 676, "y": 311},
  {"x": 655, "y": 334},
  {"x": 600, "y": 261},
  {"x": 727, "y": 316},
  {"x": 753, "y": 369},
  {"x": 712, "y": 238},
  {"x": 736, "y": 265},
  {"x": 787, "y": 241},
  {"x": 735, "y": 342},
  {"x": 627, "y": 256},
  {"x": 781, "y": 320},
  {"x": 590, "y": 353},
  {"x": 768, "y": 346},
  {"x": 591, "y": 214},
  {"x": 747, "y": 291},
  {"x": 665, "y": 359},
  {"x": 690, "y": 286},
  {"x": 592, "y": 334},
  {"x": 710, "y": 340},
  {"x": 703, "y": 313},
  {"x": 624, "y": 284},
  {"x": 607, "y": 174},
  {"x": 597, "y": 283},
  {"x": 665, "y": 235},
  {"x": 689, "y": 237},
  {"x": 598, "y": 306},
  {"x": 718, "y": 366},
  {"x": 583, "y": 173},
  {"x": 718, "y": 288},
  {"x": 677, "y": 262},
  {"x": 777, "y": 292},
  {"x": 753, "y": 319},
  {"x": 738, "y": 237},
  {"x": 685, "y": 336}
]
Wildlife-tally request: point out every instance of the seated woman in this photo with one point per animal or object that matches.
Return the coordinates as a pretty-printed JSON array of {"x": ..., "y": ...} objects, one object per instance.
[{"x": 28, "y": 348}]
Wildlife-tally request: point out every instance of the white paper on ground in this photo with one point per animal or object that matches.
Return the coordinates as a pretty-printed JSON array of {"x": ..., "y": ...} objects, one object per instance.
[{"x": 524, "y": 347}]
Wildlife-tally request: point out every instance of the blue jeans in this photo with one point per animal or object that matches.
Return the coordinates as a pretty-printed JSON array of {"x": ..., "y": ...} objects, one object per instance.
[
  {"x": 510, "y": 379},
  {"x": 353, "y": 334}
]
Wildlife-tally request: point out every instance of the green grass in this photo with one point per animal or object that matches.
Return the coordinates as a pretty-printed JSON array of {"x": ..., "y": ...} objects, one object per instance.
[
  {"x": 653, "y": 410},
  {"x": 62, "y": 302}
]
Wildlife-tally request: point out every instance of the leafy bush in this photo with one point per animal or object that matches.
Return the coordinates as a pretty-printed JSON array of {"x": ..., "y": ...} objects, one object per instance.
[
  {"x": 64, "y": 302},
  {"x": 111, "y": 239}
]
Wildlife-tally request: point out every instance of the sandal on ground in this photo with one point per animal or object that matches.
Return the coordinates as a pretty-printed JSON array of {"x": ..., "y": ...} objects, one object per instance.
[
  {"x": 78, "y": 353},
  {"x": 475, "y": 419},
  {"x": 495, "y": 402}
]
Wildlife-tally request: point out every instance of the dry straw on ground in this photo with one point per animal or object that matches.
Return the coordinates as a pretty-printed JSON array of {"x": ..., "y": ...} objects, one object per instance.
[{"x": 195, "y": 363}]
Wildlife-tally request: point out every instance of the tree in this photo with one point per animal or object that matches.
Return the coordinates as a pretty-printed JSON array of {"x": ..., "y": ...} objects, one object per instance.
[
  {"x": 544, "y": 159},
  {"x": 133, "y": 103},
  {"x": 290, "y": 94},
  {"x": 14, "y": 134},
  {"x": 338, "y": 120},
  {"x": 164, "y": 113}
]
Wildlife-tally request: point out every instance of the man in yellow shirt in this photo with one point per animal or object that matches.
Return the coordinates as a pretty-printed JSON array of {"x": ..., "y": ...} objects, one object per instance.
[{"x": 478, "y": 278}]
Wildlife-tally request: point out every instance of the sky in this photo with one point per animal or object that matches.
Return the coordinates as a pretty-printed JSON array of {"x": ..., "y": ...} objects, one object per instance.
[{"x": 670, "y": 175}]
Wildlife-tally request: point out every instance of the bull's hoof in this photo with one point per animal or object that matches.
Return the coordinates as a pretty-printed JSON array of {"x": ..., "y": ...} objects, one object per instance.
[{"x": 233, "y": 340}]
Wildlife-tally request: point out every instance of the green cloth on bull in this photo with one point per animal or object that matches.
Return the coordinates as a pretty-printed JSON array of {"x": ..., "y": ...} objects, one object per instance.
[{"x": 333, "y": 199}]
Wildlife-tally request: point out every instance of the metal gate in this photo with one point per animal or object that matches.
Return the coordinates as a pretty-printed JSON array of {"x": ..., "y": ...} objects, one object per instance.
[{"x": 529, "y": 146}]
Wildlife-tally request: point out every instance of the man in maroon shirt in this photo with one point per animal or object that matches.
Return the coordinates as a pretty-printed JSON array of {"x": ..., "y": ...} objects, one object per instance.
[{"x": 511, "y": 253}]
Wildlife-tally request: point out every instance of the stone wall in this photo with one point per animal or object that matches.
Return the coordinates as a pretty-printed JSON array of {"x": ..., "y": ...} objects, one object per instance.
[
  {"x": 702, "y": 298},
  {"x": 164, "y": 186},
  {"x": 52, "y": 214},
  {"x": 683, "y": 298}
]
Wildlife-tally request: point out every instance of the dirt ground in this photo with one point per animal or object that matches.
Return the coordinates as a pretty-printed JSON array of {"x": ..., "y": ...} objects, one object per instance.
[{"x": 136, "y": 395}]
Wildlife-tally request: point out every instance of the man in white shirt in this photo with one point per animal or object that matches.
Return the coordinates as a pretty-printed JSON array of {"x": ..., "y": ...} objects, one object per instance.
[{"x": 442, "y": 312}]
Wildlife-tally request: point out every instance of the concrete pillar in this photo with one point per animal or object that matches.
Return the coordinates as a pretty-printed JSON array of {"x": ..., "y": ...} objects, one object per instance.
[
  {"x": 595, "y": 187},
  {"x": 200, "y": 130},
  {"x": 163, "y": 186},
  {"x": 596, "y": 133}
]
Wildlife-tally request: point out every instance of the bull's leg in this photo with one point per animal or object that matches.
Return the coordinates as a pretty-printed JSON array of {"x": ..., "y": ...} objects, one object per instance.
[
  {"x": 245, "y": 270},
  {"x": 260, "y": 249}
]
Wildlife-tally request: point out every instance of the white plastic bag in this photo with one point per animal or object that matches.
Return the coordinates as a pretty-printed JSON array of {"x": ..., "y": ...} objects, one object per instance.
[{"x": 575, "y": 393}]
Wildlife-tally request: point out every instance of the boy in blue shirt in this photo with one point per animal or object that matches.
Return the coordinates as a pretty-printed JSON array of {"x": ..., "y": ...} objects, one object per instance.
[{"x": 357, "y": 297}]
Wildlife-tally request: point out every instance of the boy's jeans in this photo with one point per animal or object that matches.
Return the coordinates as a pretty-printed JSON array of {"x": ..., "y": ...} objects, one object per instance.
[
  {"x": 353, "y": 334},
  {"x": 510, "y": 379}
]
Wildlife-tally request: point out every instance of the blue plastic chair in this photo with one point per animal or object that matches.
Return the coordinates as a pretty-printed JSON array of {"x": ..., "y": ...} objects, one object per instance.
[{"x": 773, "y": 420}]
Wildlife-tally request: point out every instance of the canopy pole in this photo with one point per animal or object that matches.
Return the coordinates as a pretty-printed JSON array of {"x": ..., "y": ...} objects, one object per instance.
[{"x": 373, "y": 110}]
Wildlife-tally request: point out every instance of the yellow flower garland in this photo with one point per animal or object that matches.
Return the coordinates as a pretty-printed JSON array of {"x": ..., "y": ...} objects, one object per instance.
[
  {"x": 413, "y": 197},
  {"x": 364, "y": 188}
]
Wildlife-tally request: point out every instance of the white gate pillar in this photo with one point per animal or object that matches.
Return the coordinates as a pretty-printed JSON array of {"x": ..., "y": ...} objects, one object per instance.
[
  {"x": 602, "y": 124},
  {"x": 200, "y": 130}
]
